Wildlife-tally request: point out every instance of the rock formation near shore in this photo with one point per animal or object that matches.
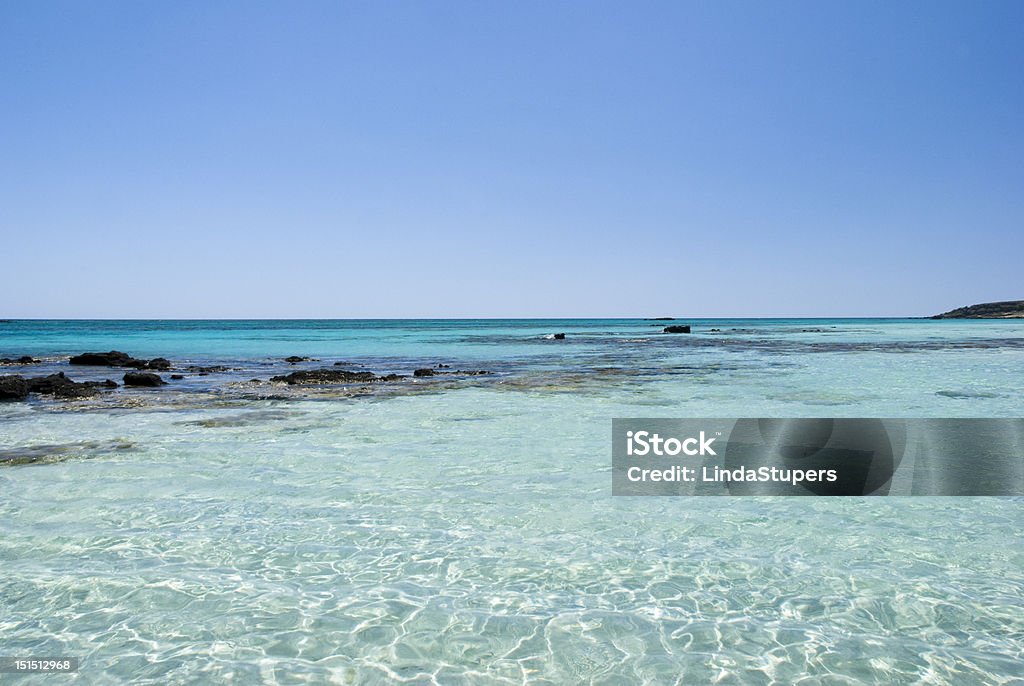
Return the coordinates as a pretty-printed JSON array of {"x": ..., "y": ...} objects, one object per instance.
[
  {"x": 116, "y": 358},
  {"x": 456, "y": 372},
  {"x": 24, "y": 359},
  {"x": 328, "y": 376},
  {"x": 57, "y": 385},
  {"x": 1007, "y": 309},
  {"x": 685, "y": 328},
  {"x": 13, "y": 388},
  {"x": 147, "y": 379}
]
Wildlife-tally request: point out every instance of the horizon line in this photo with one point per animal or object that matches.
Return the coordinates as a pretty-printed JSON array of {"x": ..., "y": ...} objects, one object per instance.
[{"x": 462, "y": 318}]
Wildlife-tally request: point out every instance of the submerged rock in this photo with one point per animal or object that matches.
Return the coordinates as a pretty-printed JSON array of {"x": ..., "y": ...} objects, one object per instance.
[
  {"x": 254, "y": 417},
  {"x": 160, "y": 364},
  {"x": 677, "y": 329},
  {"x": 295, "y": 359},
  {"x": 24, "y": 359},
  {"x": 424, "y": 372},
  {"x": 147, "y": 379},
  {"x": 177, "y": 377},
  {"x": 327, "y": 376},
  {"x": 13, "y": 388},
  {"x": 34, "y": 454},
  {"x": 559, "y": 336}
]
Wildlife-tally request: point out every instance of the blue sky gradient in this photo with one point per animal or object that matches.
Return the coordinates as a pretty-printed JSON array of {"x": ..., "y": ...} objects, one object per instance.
[{"x": 449, "y": 159}]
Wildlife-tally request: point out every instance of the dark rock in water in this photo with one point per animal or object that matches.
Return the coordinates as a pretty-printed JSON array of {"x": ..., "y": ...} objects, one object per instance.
[
  {"x": 456, "y": 372},
  {"x": 1007, "y": 309},
  {"x": 106, "y": 383},
  {"x": 177, "y": 377},
  {"x": 24, "y": 359},
  {"x": 328, "y": 376},
  {"x": 677, "y": 329},
  {"x": 146, "y": 379},
  {"x": 661, "y": 319},
  {"x": 207, "y": 370},
  {"x": 13, "y": 388},
  {"x": 715, "y": 330},
  {"x": 294, "y": 359},
  {"x": 391, "y": 377},
  {"x": 435, "y": 373},
  {"x": 444, "y": 366},
  {"x": 559, "y": 336},
  {"x": 114, "y": 358},
  {"x": 60, "y": 386}
]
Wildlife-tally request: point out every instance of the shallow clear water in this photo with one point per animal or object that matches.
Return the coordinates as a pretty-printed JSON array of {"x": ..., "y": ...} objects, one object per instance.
[{"x": 462, "y": 530}]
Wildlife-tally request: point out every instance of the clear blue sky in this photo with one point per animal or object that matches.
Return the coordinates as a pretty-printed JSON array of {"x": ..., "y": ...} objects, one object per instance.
[{"x": 436, "y": 159}]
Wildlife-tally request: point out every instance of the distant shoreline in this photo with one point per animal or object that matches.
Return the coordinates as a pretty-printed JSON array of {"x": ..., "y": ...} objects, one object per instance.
[
  {"x": 952, "y": 314},
  {"x": 1006, "y": 309}
]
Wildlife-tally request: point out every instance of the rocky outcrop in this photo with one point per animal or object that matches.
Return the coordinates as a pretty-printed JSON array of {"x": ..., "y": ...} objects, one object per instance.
[
  {"x": 454, "y": 372},
  {"x": 60, "y": 386},
  {"x": 24, "y": 359},
  {"x": 116, "y": 358},
  {"x": 677, "y": 329},
  {"x": 203, "y": 371},
  {"x": 559, "y": 336},
  {"x": 13, "y": 388},
  {"x": 1007, "y": 309},
  {"x": 295, "y": 359},
  {"x": 331, "y": 376},
  {"x": 144, "y": 379}
]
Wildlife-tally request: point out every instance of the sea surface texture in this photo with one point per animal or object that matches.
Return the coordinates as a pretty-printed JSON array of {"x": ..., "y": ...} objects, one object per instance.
[{"x": 460, "y": 529}]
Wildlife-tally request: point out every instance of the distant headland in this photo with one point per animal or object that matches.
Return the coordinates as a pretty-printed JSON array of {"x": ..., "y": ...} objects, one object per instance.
[{"x": 1008, "y": 309}]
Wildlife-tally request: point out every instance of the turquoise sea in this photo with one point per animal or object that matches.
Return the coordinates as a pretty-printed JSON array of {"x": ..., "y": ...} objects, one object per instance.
[{"x": 460, "y": 529}]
